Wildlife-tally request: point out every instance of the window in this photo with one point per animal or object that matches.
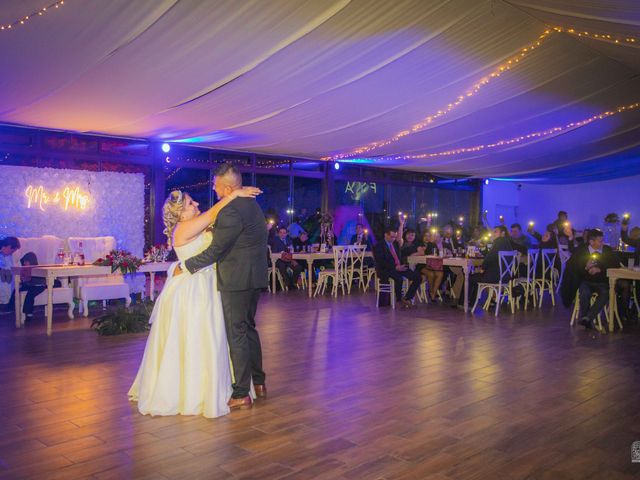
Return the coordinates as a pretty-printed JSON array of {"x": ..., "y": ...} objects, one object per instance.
[
  {"x": 194, "y": 181},
  {"x": 276, "y": 199}
]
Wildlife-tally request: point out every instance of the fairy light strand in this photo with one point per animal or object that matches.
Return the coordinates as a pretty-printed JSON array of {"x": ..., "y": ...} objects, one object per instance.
[
  {"x": 605, "y": 37},
  {"x": 521, "y": 138},
  {"x": 453, "y": 104},
  {"x": 37, "y": 13},
  {"x": 496, "y": 73}
]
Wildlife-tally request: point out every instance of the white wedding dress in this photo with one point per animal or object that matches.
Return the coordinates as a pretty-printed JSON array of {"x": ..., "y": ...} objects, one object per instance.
[{"x": 185, "y": 368}]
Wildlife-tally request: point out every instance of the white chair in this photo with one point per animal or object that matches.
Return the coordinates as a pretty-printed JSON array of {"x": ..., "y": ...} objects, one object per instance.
[
  {"x": 272, "y": 270},
  {"x": 338, "y": 275},
  {"x": 45, "y": 249},
  {"x": 355, "y": 266},
  {"x": 502, "y": 289},
  {"x": 546, "y": 280},
  {"x": 529, "y": 282},
  {"x": 563, "y": 254},
  {"x": 389, "y": 288},
  {"x": 576, "y": 313},
  {"x": 98, "y": 287}
]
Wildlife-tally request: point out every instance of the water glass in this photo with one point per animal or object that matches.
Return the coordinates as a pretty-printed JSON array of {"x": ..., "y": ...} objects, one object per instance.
[{"x": 631, "y": 262}]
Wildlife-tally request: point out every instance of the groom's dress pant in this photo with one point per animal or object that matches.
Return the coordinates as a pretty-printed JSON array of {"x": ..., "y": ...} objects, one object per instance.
[{"x": 246, "y": 353}]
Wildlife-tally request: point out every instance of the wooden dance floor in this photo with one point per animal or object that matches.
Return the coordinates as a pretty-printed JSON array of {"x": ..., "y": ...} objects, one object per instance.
[{"x": 354, "y": 392}]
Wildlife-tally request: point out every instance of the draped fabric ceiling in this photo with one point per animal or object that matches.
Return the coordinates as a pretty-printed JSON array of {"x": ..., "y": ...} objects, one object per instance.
[{"x": 319, "y": 79}]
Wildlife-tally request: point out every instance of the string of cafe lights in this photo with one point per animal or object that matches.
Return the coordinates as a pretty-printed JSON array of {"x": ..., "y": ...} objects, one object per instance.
[
  {"x": 616, "y": 39},
  {"x": 522, "y": 138},
  {"x": 496, "y": 73},
  {"x": 37, "y": 13}
]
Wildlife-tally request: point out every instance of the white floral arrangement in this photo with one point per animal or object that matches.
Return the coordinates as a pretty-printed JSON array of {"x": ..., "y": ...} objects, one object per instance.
[{"x": 157, "y": 253}]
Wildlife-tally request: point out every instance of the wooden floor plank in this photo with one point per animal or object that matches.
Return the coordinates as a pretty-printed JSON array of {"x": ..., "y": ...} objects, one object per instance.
[{"x": 354, "y": 392}]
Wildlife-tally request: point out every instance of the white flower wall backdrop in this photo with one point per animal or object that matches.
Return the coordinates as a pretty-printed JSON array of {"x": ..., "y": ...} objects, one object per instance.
[{"x": 66, "y": 203}]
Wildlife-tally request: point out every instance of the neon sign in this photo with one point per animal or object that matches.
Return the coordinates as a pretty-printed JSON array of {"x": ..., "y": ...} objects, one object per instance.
[
  {"x": 359, "y": 189},
  {"x": 69, "y": 198}
]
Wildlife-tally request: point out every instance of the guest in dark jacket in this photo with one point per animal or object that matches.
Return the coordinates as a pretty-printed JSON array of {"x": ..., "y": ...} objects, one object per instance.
[
  {"x": 388, "y": 265},
  {"x": 361, "y": 237},
  {"x": 586, "y": 271},
  {"x": 490, "y": 270},
  {"x": 281, "y": 243}
]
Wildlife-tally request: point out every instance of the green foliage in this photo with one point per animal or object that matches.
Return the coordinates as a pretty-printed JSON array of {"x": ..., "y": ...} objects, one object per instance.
[{"x": 123, "y": 320}]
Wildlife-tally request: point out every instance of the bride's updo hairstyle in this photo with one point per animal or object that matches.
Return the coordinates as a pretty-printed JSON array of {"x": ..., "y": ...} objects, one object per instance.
[{"x": 171, "y": 211}]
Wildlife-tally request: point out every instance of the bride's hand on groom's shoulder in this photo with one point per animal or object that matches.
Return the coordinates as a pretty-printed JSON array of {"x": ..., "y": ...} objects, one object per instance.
[
  {"x": 177, "y": 270},
  {"x": 250, "y": 192}
]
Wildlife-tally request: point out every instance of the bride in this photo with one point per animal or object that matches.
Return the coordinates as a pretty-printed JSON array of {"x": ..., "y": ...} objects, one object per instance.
[{"x": 185, "y": 367}]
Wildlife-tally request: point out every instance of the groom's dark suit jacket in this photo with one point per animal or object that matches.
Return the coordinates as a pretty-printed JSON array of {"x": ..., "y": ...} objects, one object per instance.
[{"x": 239, "y": 245}]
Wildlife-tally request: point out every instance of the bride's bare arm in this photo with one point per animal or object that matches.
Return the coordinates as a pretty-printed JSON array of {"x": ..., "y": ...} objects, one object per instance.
[{"x": 189, "y": 229}]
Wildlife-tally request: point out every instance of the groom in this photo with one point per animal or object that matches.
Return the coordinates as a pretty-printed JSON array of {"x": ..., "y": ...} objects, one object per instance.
[{"x": 239, "y": 247}]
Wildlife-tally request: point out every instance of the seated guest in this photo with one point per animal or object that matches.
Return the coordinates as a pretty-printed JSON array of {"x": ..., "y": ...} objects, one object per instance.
[
  {"x": 361, "y": 237},
  {"x": 410, "y": 246},
  {"x": 34, "y": 286},
  {"x": 632, "y": 239},
  {"x": 586, "y": 271},
  {"x": 295, "y": 229},
  {"x": 301, "y": 243},
  {"x": 286, "y": 264},
  {"x": 388, "y": 265},
  {"x": 489, "y": 272},
  {"x": 450, "y": 243},
  {"x": 611, "y": 230},
  {"x": 519, "y": 240},
  {"x": 477, "y": 235},
  {"x": 8, "y": 245},
  {"x": 434, "y": 269}
]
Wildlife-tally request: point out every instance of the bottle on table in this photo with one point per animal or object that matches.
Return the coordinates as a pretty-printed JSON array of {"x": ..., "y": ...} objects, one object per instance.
[{"x": 80, "y": 255}]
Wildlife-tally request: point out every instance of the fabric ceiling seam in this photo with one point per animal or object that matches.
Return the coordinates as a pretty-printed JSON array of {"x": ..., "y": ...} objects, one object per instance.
[
  {"x": 357, "y": 78},
  {"x": 396, "y": 107},
  {"x": 484, "y": 172},
  {"x": 339, "y": 7},
  {"x": 78, "y": 75},
  {"x": 302, "y": 102},
  {"x": 130, "y": 41},
  {"x": 277, "y": 112},
  {"x": 565, "y": 13},
  {"x": 575, "y": 39},
  {"x": 450, "y": 119},
  {"x": 537, "y": 115}
]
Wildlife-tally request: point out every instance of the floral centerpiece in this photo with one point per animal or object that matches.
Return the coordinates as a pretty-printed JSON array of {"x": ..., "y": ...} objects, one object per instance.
[
  {"x": 156, "y": 253},
  {"x": 120, "y": 260},
  {"x": 326, "y": 229}
]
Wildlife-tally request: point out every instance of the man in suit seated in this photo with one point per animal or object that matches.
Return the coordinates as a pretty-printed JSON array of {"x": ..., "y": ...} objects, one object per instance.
[
  {"x": 519, "y": 241},
  {"x": 279, "y": 244},
  {"x": 361, "y": 237},
  {"x": 387, "y": 258},
  {"x": 588, "y": 266},
  {"x": 489, "y": 272}
]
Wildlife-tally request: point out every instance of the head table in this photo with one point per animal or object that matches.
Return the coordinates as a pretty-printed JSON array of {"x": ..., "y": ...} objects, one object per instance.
[{"x": 52, "y": 272}]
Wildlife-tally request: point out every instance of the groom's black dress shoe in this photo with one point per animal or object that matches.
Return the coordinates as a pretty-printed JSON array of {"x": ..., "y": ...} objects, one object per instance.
[
  {"x": 261, "y": 391},
  {"x": 242, "y": 403}
]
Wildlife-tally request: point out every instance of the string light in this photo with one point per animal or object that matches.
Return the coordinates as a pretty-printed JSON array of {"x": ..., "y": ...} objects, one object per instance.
[
  {"x": 605, "y": 37},
  {"x": 528, "y": 136},
  {"x": 37, "y": 13},
  {"x": 454, "y": 103},
  {"x": 496, "y": 73}
]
